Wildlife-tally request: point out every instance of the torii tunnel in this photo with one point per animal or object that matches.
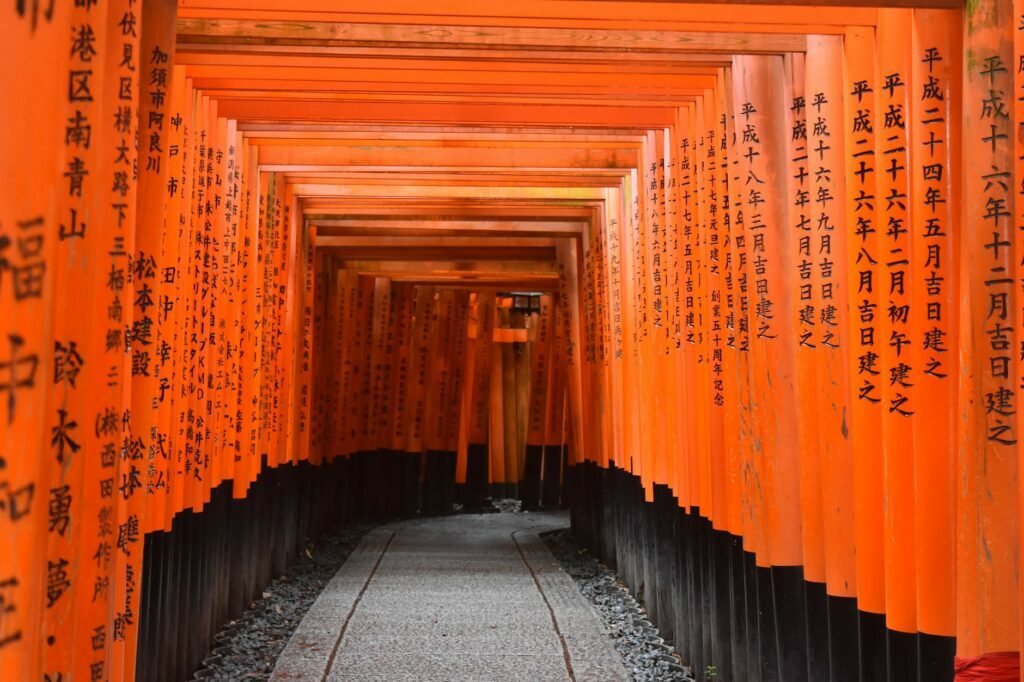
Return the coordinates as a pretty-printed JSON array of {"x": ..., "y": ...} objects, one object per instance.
[{"x": 742, "y": 285}]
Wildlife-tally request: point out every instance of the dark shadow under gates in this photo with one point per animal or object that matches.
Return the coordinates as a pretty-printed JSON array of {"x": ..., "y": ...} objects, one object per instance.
[{"x": 730, "y": 618}]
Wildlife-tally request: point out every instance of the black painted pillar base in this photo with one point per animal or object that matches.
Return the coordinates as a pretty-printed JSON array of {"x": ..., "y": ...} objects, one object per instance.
[
  {"x": 741, "y": 641},
  {"x": 844, "y": 654},
  {"x": 726, "y": 613},
  {"x": 438, "y": 494},
  {"x": 208, "y": 568},
  {"x": 551, "y": 488},
  {"x": 504, "y": 491},
  {"x": 816, "y": 607},
  {"x": 529, "y": 485},
  {"x": 790, "y": 620},
  {"x": 392, "y": 493},
  {"x": 934, "y": 655},
  {"x": 901, "y": 649},
  {"x": 475, "y": 488},
  {"x": 665, "y": 505},
  {"x": 429, "y": 493},
  {"x": 871, "y": 646},
  {"x": 446, "y": 484},
  {"x": 408, "y": 482}
]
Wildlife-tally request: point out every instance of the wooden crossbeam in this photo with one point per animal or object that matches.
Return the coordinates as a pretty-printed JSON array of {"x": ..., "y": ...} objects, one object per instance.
[
  {"x": 190, "y": 50},
  {"x": 561, "y": 12},
  {"x": 370, "y": 155},
  {"x": 345, "y": 33},
  {"x": 446, "y": 228},
  {"x": 471, "y": 114}
]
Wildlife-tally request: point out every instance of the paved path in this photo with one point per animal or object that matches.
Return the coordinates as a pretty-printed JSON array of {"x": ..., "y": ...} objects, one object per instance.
[{"x": 468, "y": 597}]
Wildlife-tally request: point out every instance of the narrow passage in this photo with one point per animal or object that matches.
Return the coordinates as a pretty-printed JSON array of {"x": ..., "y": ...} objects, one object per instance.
[{"x": 469, "y": 597}]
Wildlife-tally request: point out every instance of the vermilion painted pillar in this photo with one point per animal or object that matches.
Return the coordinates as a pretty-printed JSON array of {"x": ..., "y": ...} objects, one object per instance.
[
  {"x": 762, "y": 173},
  {"x": 805, "y": 294},
  {"x": 987, "y": 571},
  {"x": 171, "y": 303},
  {"x": 828, "y": 230},
  {"x": 1018, "y": 81},
  {"x": 153, "y": 272},
  {"x": 936, "y": 177},
  {"x": 898, "y": 364},
  {"x": 124, "y": 28},
  {"x": 703, "y": 128},
  {"x": 689, "y": 277},
  {"x": 860, "y": 129},
  {"x": 66, "y": 497},
  {"x": 31, "y": 163}
]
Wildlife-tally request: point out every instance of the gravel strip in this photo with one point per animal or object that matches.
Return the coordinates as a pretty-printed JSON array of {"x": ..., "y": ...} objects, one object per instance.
[
  {"x": 507, "y": 506},
  {"x": 644, "y": 653},
  {"x": 247, "y": 648}
]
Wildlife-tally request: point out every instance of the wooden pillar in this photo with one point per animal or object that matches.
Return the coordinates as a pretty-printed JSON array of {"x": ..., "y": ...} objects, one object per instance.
[
  {"x": 31, "y": 161},
  {"x": 826, "y": 149},
  {"x": 987, "y": 572},
  {"x": 861, "y": 125},
  {"x": 935, "y": 120},
  {"x": 893, "y": 334},
  {"x": 64, "y": 497},
  {"x": 124, "y": 26}
]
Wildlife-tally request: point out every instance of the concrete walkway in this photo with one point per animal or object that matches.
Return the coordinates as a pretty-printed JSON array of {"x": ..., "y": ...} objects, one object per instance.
[{"x": 468, "y": 597}]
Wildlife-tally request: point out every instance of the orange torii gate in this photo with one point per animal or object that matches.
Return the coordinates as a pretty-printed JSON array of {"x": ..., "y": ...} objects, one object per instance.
[{"x": 778, "y": 343}]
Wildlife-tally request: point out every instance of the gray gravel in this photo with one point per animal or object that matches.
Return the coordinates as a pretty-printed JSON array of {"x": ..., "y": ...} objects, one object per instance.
[
  {"x": 507, "y": 506},
  {"x": 646, "y": 655},
  {"x": 248, "y": 647}
]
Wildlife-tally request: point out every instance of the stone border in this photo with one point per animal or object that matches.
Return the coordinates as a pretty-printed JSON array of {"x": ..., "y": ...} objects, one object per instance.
[
  {"x": 587, "y": 642},
  {"x": 315, "y": 642},
  {"x": 636, "y": 641}
]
